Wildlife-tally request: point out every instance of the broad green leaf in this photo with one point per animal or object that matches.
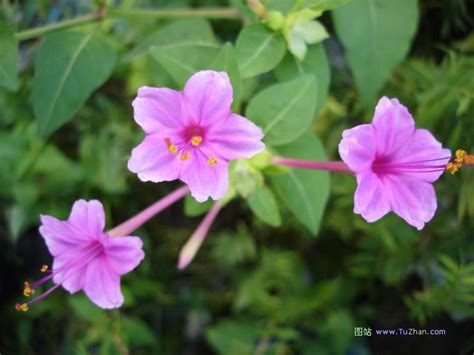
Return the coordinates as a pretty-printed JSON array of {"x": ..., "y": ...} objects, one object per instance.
[
  {"x": 316, "y": 63},
  {"x": 285, "y": 110},
  {"x": 258, "y": 50},
  {"x": 263, "y": 204},
  {"x": 192, "y": 208},
  {"x": 69, "y": 66},
  {"x": 226, "y": 61},
  {"x": 8, "y": 57},
  {"x": 189, "y": 32},
  {"x": 376, "y": 35},
  {"x": 304, "y": 192},
  {"x": 182, "y": 61}
]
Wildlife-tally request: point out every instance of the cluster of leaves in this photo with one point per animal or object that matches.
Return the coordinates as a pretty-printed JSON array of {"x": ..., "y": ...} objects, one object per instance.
[{"x": 254, "y": 288}]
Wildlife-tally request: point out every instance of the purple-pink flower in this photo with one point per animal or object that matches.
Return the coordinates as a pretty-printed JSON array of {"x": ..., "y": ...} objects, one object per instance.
[
  {"x": 85, "y": 257},
  {"x": 395, "y": 165},
  {"x": 192, "y": 135}
]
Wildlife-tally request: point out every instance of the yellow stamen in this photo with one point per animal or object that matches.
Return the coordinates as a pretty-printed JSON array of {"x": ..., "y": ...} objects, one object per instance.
[
  {"x": 171, "y": 147},
  {"x": 453, "y": 167},
  {"x": 21, "y": 307},
  {"x": 461, "y": 159},
  {"x": 196, "y": 140},
  {"x": 44, "y": 268},
  {"x": 27, "y": 290},
  {"x": 212, "y": 161},
  {"x": 460, "y": 156},
  {"x": 185, "y": 156}
]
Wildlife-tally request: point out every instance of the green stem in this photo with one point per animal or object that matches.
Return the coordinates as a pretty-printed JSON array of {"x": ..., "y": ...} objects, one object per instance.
[
  {"x": 42, "y": 30},
  {"x": 210, "y": 13}
]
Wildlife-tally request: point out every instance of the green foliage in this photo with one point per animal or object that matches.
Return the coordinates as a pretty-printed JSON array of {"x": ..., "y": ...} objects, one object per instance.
[
  {"x": 187, "y": 32},
  {"x": 315, "y": 63},
  {"x": 375, "y": 40},
  {"x": 9, "y": 57},
  {"x": 284, "y": 111},
  {"x": 304, "y": 192},
  {"x": 83, "y": 61},
  {"x": 258, "y": 50},
  {"x": 453, "y": 292},
  {"x": 263, "y": 204}
]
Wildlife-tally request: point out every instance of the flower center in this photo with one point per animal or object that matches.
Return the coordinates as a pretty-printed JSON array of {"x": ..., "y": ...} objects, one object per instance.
[{"x": 193, "y": 135}]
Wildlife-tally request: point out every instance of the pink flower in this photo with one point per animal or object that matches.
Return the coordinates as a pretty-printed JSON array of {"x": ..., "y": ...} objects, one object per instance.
[
  {"x": 395, "y": 165},
  {"x": 192, "y": 135},
  {"x": 86, "y": 258}
]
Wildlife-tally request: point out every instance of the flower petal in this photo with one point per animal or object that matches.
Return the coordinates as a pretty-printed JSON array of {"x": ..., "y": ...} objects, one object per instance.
[
  {"x": 411, "y": 199},
  {"x": 370, "y": 199},
  {"x": 205, "y": 180},
  {"x": 102, "y": 284},
  {"x": 358, "y": 147},
  {"x": 423, "y": 156},
  {"x": 235, "y": 137},
  {"x": 208, "y": 96},
  {"x": 158, "y": 109},
  {"x": 393, "y": 126},
  {"x": 67, "y": 273},
  {"x": 88, "y": 218},
  {"x": 124, "y": 253},
  {"x": 152, "y": 161},
  {"x": 60, "y": 236}
]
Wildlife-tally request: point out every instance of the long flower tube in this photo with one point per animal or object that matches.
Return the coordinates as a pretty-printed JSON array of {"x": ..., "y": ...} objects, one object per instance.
[
  {"x": 89, "y": 259},
  {"x": 189, "y": 250}
]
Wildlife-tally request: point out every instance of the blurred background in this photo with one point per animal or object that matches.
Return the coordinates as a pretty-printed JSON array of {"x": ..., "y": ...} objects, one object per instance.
[{"x": 252, "y": 289}]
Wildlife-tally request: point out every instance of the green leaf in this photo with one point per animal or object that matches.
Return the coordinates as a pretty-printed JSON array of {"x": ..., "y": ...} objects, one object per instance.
[
  {"x": 193, "y": 31},
  {"x": 69, "y": 66},
  {"x": 316, "y": 63},
  {"x": 258, "y": 50},
  {"x": 182, "y": 61},
  {"x": 8, "y": 57},
  {"x": 284, "y": 111},
  {"x": 376, "y": 35},
  {"x": 232, "y": 337},
  {"x": 192, "y": 208},
  {"x": 226, "y": 61},
  {"x": 304, "y": 192},
  {"x": 263, "y": 204},
  {"x": 137, "y": 333}
]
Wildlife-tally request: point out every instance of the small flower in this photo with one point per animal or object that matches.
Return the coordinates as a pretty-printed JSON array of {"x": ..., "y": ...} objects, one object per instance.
[
  {"x": 395, "y": 165},
  {"x": 192, "y": 135},
  {"x": 86, "y": 258}
]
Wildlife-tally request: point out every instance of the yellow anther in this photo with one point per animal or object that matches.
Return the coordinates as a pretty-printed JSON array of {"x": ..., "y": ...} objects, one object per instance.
[
  {"x": 21, "y": 307},
  {"x": 185, "y": 156},
  {"x": 27, "y": 290},
  {"x": 44, "y": 268},
  {"x": 171, "y": 147},
  {"x": 453, "y": 167},
  {"x": 196, "y": 140},
  {"x": 212, "y": 161},
  {"x": 460, "y": 156}
]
